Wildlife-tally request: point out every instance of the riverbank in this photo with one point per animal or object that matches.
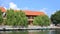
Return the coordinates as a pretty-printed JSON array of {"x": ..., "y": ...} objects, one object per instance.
[{"x": 11, "y": 28}]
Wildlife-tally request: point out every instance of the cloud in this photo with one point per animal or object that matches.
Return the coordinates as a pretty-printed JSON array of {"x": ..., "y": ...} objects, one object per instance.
[
  {"x": 13, "y": 6},
  {"x": 47, "y": 11},
  {"x": 53, "y": 12},
  {"x": 44, "y": 10},
  {"x": 10, "y": 4}
]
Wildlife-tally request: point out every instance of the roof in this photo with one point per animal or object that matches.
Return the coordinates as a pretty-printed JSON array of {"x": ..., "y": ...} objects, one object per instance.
[
  {"x": 2, "y": 9},
  {"x": 28, "y": 12}
]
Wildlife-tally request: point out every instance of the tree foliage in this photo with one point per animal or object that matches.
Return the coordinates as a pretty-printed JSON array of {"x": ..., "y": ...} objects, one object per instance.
[
  {"x": 23, "y": 19},
  {"x": 16, "y": 18},
  {"x": 55, "y": 18},
  {"x": 1, "y": 17},
  {"x": 10, "y": 20},
  {"x": 41, "y": 20}
]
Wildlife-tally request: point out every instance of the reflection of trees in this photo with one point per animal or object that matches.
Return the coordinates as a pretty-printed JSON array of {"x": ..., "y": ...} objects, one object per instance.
[
  {"x": 51, "y": 31},
  {"x": 14, "y": 32},
  {"x": 2, "y": 32},
  {"x": 54, "y": 32},
  {"x": 39, "y": 32},
  {"x": 57, "y": 31},
  {"x": 19, "y": 32},
  {"x": 44, "y": 32},
  {"x": 32, "y": 32}
]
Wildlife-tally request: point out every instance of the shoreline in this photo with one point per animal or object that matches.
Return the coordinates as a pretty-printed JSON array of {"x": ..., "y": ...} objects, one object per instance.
[{"x": 10, "y": 28}]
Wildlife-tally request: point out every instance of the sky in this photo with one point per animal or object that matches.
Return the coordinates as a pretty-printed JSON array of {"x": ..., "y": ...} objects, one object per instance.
[{"x": 49, "y": 7}]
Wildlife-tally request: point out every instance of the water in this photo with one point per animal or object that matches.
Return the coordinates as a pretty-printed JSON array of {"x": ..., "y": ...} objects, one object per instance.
[{"x": 31, "y": 32}]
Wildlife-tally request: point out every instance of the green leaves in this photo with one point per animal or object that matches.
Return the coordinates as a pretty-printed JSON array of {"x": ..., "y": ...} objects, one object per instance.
[
  {"x": 1, "y": 18},
  {"x": 41, "y": 20},
  {"x": 16, "y": 18},
  {"x": 55, "y": 18},
  {"x": 23, "y": 19}
]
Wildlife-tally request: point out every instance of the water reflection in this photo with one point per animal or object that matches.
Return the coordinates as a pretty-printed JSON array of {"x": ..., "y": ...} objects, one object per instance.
[
  {"x": 13, "y": 32},
  {"x": 57, "y": 31},
  {"x": 39, "y": 32},
  {"x": 32, "y": 32}
]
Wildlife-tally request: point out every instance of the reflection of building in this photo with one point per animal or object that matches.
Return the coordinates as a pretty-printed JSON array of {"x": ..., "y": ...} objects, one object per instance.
[{"x": 30, "y": 14}]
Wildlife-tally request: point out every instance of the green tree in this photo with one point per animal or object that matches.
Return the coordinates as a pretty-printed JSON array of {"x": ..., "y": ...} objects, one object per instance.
[
  {"x": 1, "y": 17},
  {"x": 41, "y": 20},
  {"x": 10, "y": 20},
  {"x": 55, "y": 18},
  {"x": 16, "y": 18},
  {"x": 23, "y": 19}
]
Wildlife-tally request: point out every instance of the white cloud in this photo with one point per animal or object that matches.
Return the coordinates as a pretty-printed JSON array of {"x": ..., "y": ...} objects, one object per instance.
[
  {"x": 44, "y": 10},
  {"x": 47, "y": 11},
  {"x": 13, "y": 6},
  {"x": 53, "y": 12}
]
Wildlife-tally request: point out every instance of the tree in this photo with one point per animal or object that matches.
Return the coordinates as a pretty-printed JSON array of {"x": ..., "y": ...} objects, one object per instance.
[
  {"x": 16, "y": 18},
  {"x": 41, "y": 20},
  {"x": 10, "y": 20},
  {"x": 1, "y": 17},
  {"x": 55, "y": 18},
  {"x": 23, "y": 19}
]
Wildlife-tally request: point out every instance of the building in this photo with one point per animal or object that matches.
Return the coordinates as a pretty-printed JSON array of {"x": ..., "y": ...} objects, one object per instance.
[
  {"x": 2, "y": 9},
  {"x": 29, "y": 14}
]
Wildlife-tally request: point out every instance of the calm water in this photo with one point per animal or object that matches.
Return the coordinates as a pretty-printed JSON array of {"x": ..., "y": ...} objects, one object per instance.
[{"x": 32, "y": 32}]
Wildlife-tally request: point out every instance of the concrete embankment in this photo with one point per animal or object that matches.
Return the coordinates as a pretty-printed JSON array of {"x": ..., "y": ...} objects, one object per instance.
[{"x": 10, "y": 28}]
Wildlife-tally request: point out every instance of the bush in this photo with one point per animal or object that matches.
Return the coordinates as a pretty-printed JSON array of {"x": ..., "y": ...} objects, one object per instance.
[{"x": 41, "y": 20}]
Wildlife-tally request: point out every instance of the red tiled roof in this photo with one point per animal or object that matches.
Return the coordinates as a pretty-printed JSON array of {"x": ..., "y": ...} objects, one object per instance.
[
  {"x": 2, "y": 9},
  {"x": 28, "y": 12}
]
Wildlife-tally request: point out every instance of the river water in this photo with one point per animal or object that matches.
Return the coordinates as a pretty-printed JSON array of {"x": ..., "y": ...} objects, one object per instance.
[{"x": 31, "y": 32}]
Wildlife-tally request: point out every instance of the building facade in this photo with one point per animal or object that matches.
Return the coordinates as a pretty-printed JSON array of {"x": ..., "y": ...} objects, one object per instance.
[{"x": 31, "y": 14}]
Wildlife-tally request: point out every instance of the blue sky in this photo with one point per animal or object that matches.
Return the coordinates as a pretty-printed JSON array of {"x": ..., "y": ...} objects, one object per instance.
[{"x": 47, "y": 6}]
